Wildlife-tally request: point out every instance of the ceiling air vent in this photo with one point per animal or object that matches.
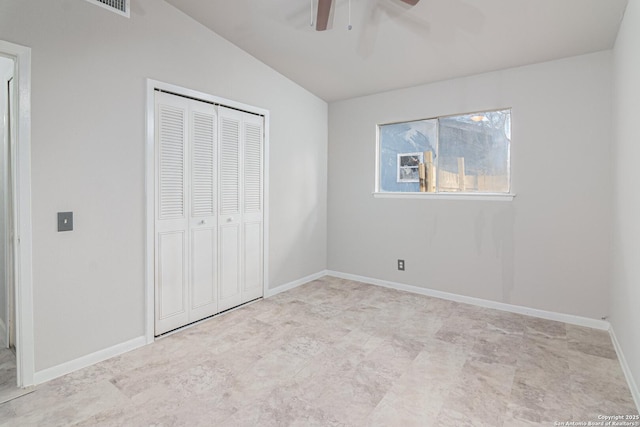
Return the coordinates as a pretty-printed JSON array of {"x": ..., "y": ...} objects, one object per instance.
[{"x": 121, "y": 7}]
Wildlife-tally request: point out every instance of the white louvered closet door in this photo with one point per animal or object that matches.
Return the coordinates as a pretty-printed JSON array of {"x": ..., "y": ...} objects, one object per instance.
[
  {"x": 203, "y": 218},
  {"x": 230, "y": 218},
  {"x": 241, "y": 215},
  {"x": 252, "y": 208},
  {"x": 186, "y": 223},
  {"x": 171, "y": 225}
]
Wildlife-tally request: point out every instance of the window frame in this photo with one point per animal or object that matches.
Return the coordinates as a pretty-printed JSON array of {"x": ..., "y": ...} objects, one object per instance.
[{"x": 446, "y": 195}]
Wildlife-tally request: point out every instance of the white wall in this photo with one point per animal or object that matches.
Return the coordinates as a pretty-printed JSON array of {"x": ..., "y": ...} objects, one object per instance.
[
  {"x": 625, "y": 289},
  {"x": 88, "y": 116},
  {"x": 548, "y": 249}
]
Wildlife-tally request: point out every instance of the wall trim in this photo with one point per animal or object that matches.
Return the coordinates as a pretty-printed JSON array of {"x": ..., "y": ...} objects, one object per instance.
[
  {"x": 633, "y": 387},
  {"x": 107, "y": 353},
  {"x": 518, "y": 309},
  {"x": 118, "y": 349},
  {"x": 485, "y": 197},
  {"x": 88, "y": 360},
  {"x": 294, "y": 284}
]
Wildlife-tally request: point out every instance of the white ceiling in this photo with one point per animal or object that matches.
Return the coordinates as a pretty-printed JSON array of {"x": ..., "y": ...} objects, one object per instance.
[{"x": 393, "y": 45}]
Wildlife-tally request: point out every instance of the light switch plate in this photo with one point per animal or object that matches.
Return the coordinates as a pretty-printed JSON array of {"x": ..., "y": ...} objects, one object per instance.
[{"x": 65, "y": 221}]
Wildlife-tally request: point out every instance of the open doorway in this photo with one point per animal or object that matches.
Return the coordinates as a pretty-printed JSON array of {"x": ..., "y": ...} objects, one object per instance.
[
  {"x": 8, "y": 368},
  {"x": 16, "y": 288}
]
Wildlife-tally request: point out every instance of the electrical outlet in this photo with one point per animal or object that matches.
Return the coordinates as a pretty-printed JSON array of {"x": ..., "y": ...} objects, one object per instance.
[{"x": 401, "y": 264}]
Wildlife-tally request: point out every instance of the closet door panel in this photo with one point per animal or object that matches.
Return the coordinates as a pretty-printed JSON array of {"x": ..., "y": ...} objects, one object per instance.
[
  {"x": 203, "y": 160},
  {"x": 230, "y": 162},
  {"x": 203, "y": 221},
  {"x": 253, "y": 279},
  {"x": 172, "y": 279},
  {"x": 253, "y": 167},
  {"x": 253, "y": 259},
  {"x": 229, "y": 266},
  {"x": 171, "y": 224},
  {"x": 204, "y": 290},
  {"x": 171, "y": 135},
  {"x": 229, "y": 218}
]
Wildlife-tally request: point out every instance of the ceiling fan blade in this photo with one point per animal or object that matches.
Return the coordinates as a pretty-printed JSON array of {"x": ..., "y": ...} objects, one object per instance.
[
  {"x": 324, "y": 10},
  {"x": 411, "y": 2}
]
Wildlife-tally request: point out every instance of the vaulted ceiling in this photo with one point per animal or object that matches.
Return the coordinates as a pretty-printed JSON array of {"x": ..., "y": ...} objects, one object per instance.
[{"x": 393, "y": 45}]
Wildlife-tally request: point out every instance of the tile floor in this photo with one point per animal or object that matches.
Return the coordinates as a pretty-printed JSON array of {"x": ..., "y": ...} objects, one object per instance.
[
  {"x": 341, "y": 353},
  {"x": 8, "y": 380},
  {"x": 7, "y": 372}
]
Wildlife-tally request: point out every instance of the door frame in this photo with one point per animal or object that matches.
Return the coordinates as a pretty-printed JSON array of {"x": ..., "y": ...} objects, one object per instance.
[
  {"x": 150, "y": 171},
  {"x": 9, "y": 301},
  {"x": 23, "y": 272}
]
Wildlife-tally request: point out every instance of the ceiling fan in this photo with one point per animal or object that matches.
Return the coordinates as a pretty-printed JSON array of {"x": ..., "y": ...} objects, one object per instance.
[{"x": 324, "y": 10}]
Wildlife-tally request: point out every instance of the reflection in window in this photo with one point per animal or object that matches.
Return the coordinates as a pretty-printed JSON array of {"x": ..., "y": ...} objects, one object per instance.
[{"x": 466, "y": 153}]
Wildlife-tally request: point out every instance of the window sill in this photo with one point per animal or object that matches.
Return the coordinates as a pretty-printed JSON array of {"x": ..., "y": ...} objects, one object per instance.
[{"x": 492, "y": 197}]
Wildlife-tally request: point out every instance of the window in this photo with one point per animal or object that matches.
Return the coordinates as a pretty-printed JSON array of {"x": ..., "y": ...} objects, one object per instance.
[{"x": 468, "y": 153}]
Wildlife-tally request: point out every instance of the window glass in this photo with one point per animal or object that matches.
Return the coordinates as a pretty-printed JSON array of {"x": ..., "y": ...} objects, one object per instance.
[
  {"x": 403, "y": 150},
  {"x": 467, "y": 153},
  {"x": 474, "y": 152}
]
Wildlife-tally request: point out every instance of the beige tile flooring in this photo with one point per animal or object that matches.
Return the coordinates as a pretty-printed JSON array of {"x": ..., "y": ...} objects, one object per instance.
[
  {"x": 7, "y": 372},
  {"x": 341, "y": 353},
  {"x": 8, "y": 380},
  {"x": 8, "y": 388}
]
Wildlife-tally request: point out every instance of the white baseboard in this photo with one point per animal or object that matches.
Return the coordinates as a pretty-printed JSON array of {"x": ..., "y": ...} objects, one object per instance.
[
  {"x": 633, "y": 387},
  {"x": 99, "y": 356},
  {"x": 549, "y": 315},
  {"x": 107, "y": 353},
  {"x": 88, "y": 360},
  {"x": 295, "y": 283}
]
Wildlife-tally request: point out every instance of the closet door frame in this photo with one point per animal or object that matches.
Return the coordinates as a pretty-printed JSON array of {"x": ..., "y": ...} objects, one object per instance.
[{"x": 150, "y": 173}]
